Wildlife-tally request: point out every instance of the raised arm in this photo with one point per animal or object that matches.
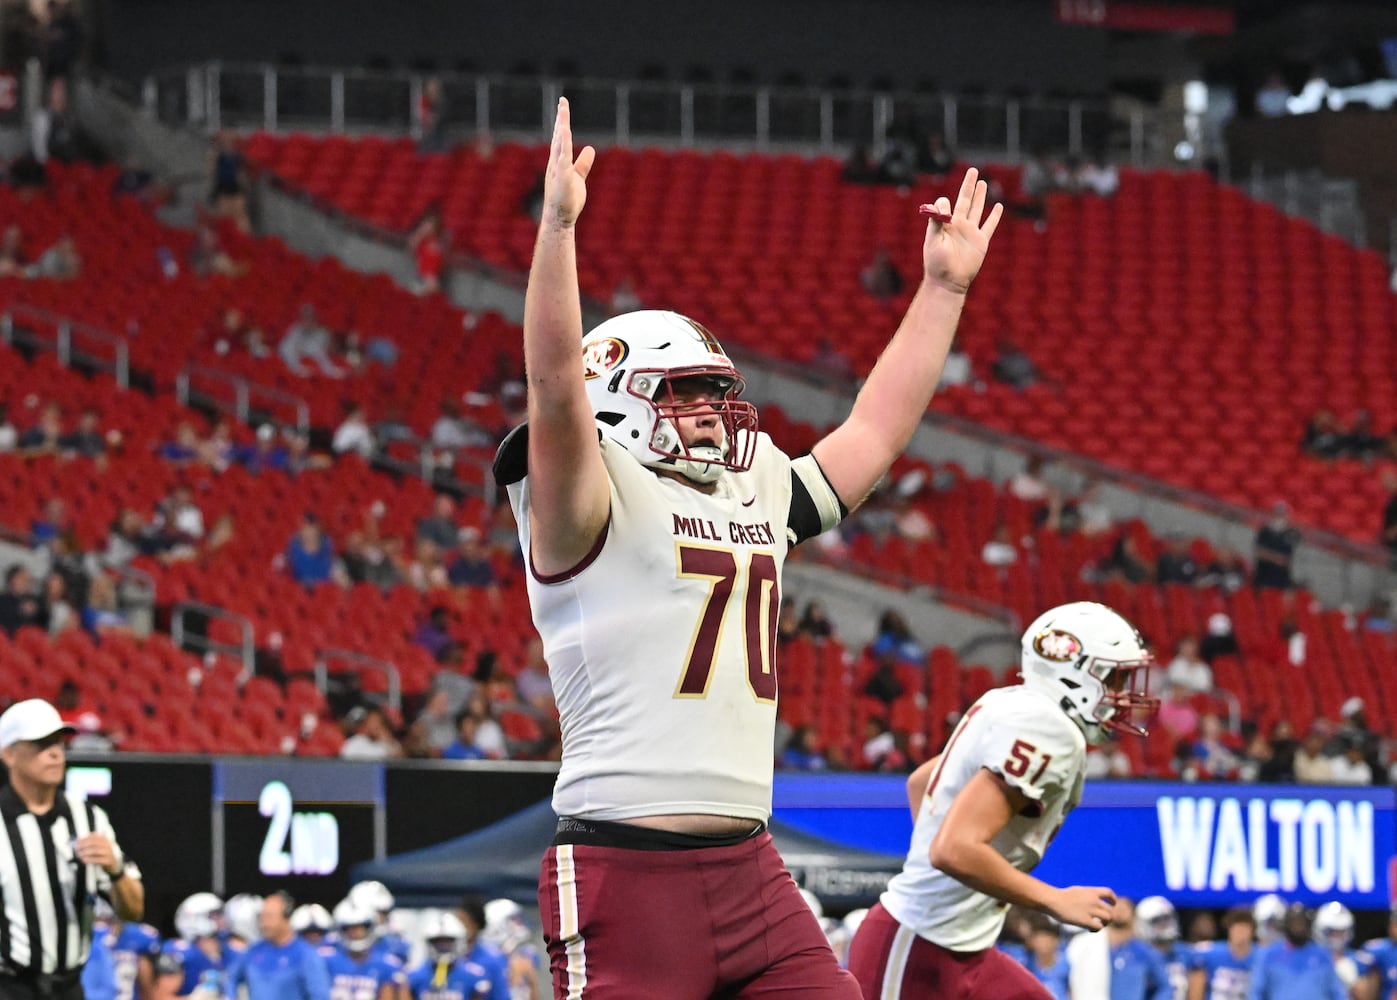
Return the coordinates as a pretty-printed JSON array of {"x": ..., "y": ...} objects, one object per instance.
[
  {"x": 855, "y": 455},
  {"x": 569, "y": 499}
]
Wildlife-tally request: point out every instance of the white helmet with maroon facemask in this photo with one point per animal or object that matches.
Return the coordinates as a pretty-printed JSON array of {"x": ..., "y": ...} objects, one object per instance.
[
  {"x": 1094, "y": 664},
  {"x": 631, "y": 363}
]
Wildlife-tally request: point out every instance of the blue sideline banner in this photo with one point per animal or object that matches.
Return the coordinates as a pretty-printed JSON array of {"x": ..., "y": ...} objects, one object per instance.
[{"x": 1198, "y": 844}]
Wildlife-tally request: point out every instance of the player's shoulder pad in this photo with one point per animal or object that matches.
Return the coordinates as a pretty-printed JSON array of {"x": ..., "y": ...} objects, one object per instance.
[{"x": 512, "y": 457}]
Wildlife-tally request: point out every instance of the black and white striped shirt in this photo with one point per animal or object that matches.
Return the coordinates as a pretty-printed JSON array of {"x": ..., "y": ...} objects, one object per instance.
[{"x": 46, "y": 893}]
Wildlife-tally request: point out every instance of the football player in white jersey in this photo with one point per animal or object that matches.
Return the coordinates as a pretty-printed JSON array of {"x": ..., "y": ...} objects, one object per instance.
[
  {"x": 655, "y": 520},
  {"x": 988, "y": 806}
]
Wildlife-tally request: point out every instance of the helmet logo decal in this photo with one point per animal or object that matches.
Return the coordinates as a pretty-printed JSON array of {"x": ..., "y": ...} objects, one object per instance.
[
  {"x": 1057, "y": 645},
  {"x": 601, "y": 356},
  {"x": 709, "y": 341}
]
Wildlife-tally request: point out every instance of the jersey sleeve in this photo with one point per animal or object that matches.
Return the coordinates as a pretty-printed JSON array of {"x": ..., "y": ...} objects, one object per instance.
[
  {"x": 170, "y": 961},
  {"x": 815, "y": 507},
  {"x": 1031, "y": 751}
]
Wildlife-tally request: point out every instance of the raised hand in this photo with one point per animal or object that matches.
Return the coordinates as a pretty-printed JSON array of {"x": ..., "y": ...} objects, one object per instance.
[
  {"x": 1086, "y": 906},
  {"x": 565, "y": 182},
  {"x": 955, "y": 248}
]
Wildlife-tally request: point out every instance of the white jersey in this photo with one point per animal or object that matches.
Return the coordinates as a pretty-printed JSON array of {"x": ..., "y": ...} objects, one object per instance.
[
  {"x": 1023, "y": 736},
  {"x": 661, "y": 644}
]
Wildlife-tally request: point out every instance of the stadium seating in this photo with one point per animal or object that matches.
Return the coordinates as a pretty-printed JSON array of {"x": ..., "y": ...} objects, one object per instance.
[{"x": 1186, "y": 332}]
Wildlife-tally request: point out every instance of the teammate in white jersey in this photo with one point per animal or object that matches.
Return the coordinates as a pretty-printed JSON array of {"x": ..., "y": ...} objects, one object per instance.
[
  {"x": 656, "y": 519},
  {"x": 988, "y": 807}
]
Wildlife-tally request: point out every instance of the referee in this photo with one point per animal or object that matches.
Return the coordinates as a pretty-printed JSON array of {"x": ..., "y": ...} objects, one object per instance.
[{"x": 57, "y": 853}]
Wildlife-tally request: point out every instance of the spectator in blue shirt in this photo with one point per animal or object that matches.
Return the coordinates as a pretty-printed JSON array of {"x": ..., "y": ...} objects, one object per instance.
[
  {"x": 281, "y": 966},
  {"x": 1046, "y": 958},
  {"x": 1221, "y": 970},
  {"x": 310, "y": 557},
  {"x": 1295, "y": 968},
  {"x": 464, "y": 747}
]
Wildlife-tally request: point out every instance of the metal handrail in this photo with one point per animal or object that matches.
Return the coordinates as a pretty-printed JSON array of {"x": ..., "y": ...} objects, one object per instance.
[
  {"x": 244, "y": 391},
  {"x": 62, "y": 343},
  {"x": 361, "y": 661},
  {"x": 245, "y": 650},
  {"x": 810, "y": 117}
]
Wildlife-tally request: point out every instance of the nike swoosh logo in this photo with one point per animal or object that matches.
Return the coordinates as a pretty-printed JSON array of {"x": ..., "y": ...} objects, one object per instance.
[{"x": 748, "y": 503}]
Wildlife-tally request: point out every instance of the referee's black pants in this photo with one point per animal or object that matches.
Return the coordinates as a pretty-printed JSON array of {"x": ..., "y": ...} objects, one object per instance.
[{"x": 68, "y": 987}]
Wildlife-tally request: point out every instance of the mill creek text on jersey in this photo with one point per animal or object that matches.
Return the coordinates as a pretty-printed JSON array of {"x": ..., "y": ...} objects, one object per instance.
[{"x": 741, "y": 534}]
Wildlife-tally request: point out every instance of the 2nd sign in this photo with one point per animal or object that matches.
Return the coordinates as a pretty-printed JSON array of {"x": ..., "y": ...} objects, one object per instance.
[{"x": 297, "y": 843}]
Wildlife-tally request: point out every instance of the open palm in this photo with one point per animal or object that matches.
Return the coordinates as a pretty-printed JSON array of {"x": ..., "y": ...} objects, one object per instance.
[
  {"x": 954, "y": 250},
  {"x": 565, "y": 182}
]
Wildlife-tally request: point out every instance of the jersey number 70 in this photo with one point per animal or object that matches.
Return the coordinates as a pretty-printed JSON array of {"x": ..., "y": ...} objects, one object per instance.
[{"x": 761, "y": 607}]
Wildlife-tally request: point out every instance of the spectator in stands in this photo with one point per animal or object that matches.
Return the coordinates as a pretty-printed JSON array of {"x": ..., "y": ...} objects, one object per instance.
[
  {"x": 489, "y": 735},
  {"x": 1095, "y": 176},
  {"x": 1227, "y": 571},
  {"x": 369, "y": 559},
  {"x": 54, "y": 521},
  {"x": 62, "y": 616},
  {"x": 19, "y": 605},
  {"x": 1028, "y": 483},
  {"x": 1212, "y": 749},
  {"x": 1108, "y": 760},
  {"x": 470, "y": 564},
  {"x": 1177, "y": 716},
  {"x": 184, "y": 449},
  {"x": 1279, "y": 766},
  {"x": 1354, "y": 731},
  {"x": 308, "y": 339},
  {"x": 310, "y": 557},
  {"x": 465, "y": 745},
  {"x": 430, "y": 115},
  {"x": 451, "y": 430},
  {"x": 1000, "y": 550},
  {"x": 1176, "y": 563},
  {"x": 880, "y": 277},
  {"x": 883, "y": 748},
  {"x": 1324, "y": 438},
  {"x": 1187, "y": 669},
  {"x": 265, "y": 454},
  {"x": 179, "y": 518},
  {"x": 44, "y": 437},
  {"x": 1012, "y": 366},
  {"x": 353, "y": 435},
  {"x": 802, "y": 752},
  {"x": 87, "y": 441},
  {"x": 393, "y": 427},
  {"x": 102, "y": 613},
  {"x": 935, "y": 156},
  {"x": 1361, "y": 442},
  {"x": 426, "y": 571},
  {"x": 1349, "y": 767},
  {"x": 59, "y": 262},
  {"x": 1124, "y": 564},
  {"x": 434, "y": 634},
  {"x": 126, "y": 539},
  {"x": 894, "y": 636},
  {"x": 440, "y": 526},
  {"x": 207, "y": 256},
  {"x": 234, "y": 332},
  {"x": 533, "y": 684},
  {"x": 1220, "y": 640},
  {"x": 228, "y": 181},
  {"x": 1311, "y": 766},
  {"x": 11, "y": 252},
  {"x": 428, "y": 252},
  {"x": 9, "y": 437},
  {"x": 1389, "y": 513},
  {"x": 372, "y": 739},
  {"x": 958, "y": 368},
  {"x": 884, "y": 684},
  {"x": 1275, "y": 549}
]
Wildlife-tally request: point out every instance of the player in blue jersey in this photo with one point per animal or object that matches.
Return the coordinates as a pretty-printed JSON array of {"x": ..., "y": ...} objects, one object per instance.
[
  {"x": 1357, "y": 970},
  {"x": 480, "y": 951},
  {"x": 135, "y": 953},
  {"x": 447, "y": 974},
  {"x": 375, "y": 897},
  {"x": 355, "y": 972},
  {"x": 1045, "y": 955},
  {"x": 507, "y": 931},
  {"x": 1384, "y": 952},
  {"x": 1157, "y": 923},
  {"x": 1268, "y": 913},
  {"x": 99, "y": 971},
  {"x": 1221, "y": 970},
  {"x": 313, "y": 923},
  {"x": 1295, "y": 968},
  {"x": 192, "y": 965}
]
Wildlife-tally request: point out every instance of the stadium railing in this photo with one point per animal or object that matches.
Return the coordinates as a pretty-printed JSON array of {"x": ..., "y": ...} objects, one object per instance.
[
  {"x": 359, "y": 662},
  {"x": 218, "y": 95}
]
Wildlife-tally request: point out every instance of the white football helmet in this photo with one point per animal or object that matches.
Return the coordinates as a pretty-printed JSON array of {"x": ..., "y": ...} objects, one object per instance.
[
  {"x": 629, "y": 363},
  {"x": 1156, "y": 920},
  {"x": 1333, "y": 928},
  {"x": 444, "y": 933},
  {"x": 351, "y": 914},
  {"x": 853, "y": 920},
  {"x": 373, "y": 896},
  {"x": 1094, "y": 664},
  {"x": 311, "y": 917},
  {"x": 199, "y": 916},
  {"x": 241, "y": 915},
  {"x": 1269, "y": 913},
  {"x": 505, "y": 927}
]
